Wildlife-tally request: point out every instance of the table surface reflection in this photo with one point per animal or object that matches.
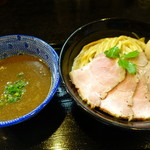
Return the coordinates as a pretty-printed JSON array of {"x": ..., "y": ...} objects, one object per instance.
[{"x": 62, "y": 125}]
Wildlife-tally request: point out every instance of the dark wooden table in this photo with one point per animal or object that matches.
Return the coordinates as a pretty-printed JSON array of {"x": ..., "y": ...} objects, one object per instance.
[{"x": 62, "y": 125}]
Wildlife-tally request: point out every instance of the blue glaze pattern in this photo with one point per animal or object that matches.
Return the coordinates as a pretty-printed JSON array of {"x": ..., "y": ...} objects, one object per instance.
[{"x": 11, "y": 45}]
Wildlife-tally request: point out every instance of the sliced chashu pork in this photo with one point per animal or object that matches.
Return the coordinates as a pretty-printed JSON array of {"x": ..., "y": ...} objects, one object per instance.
[
  {"x": 119, "y": 101},
  {"x": 97, "y": 78},
  {"x": 141, "y": 99}
]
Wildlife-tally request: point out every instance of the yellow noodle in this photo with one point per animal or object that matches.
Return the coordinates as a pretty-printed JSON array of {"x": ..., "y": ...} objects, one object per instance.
[{"x": 125, "y": 43}]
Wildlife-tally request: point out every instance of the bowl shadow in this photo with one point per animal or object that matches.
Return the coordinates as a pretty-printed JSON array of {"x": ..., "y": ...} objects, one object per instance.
[
  {"x": 106, "y": 136},
  {"x": 36, "y": 129}
]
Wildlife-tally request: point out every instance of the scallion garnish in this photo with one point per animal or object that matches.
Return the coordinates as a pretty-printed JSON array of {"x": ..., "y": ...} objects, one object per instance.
[{"x": 13, "y": 91}]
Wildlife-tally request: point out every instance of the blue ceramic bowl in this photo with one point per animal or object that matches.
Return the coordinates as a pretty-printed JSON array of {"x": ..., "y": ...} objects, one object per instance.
[{"x": 22, "y": 44}]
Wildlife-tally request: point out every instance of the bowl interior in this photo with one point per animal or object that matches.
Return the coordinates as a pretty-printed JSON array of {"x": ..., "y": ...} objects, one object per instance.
[
  {"x": 92, "y": 32},
  {"x": 22, "y": 44}
]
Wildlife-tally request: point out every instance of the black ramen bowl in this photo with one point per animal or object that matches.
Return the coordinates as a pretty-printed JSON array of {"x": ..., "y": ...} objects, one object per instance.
[{"x": 108, "y": 27}]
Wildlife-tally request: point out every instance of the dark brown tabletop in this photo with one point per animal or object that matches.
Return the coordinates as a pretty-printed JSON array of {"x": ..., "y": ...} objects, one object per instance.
[{"x": 62, "y": 125}]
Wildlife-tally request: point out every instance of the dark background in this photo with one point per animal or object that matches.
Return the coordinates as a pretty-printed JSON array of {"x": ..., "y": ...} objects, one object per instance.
[
  {"x": 55, "y": 20},
  {"x": 62, "y": 125}
]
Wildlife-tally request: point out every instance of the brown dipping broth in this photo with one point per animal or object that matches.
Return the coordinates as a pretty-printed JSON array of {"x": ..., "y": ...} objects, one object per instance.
[{"x": 36, "y": 73}]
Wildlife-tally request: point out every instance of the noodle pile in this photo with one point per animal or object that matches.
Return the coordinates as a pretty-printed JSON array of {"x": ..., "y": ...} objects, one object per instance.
[{"x": 125, "y": 44}]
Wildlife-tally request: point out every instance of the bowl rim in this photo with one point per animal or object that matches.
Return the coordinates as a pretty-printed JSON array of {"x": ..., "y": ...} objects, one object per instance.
[
  {"x": 50, "y": 94},
  {"x": 86, "y": 109}
]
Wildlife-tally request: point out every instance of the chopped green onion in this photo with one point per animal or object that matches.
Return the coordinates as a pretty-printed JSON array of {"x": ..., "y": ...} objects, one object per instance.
[{"x": 13, "y": 91}]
